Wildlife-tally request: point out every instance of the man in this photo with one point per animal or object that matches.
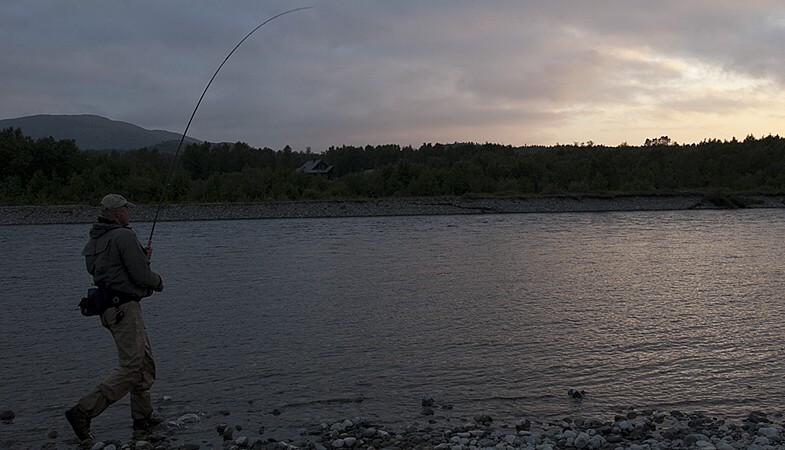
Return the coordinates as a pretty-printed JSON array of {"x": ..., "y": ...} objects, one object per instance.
[{"x": 120, "y": 267}]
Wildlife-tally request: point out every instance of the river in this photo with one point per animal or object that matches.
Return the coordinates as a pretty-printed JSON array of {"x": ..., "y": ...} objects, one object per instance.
[{"x": 288, "y": 323}]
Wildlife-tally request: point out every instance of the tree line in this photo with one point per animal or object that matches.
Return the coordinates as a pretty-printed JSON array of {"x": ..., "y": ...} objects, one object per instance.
[{"x": 48, "y": 171}]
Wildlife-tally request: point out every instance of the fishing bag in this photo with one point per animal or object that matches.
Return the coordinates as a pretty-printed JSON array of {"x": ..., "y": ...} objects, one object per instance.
[{"x": 99, "y": 300}]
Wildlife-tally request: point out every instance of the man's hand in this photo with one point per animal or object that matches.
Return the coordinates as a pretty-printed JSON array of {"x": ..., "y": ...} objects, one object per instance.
[
  {"x": 160, "y": 286},
  {"x": 148, "y": 250}
]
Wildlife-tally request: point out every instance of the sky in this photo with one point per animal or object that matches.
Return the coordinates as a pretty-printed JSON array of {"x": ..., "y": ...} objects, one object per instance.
[{"x": 404, "y": 72}]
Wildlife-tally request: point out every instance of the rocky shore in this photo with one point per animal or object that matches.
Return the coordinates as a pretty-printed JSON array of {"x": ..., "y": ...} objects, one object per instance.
[
  {"x": 26, "y": 215},
  {"x": 627, "y": 430}
]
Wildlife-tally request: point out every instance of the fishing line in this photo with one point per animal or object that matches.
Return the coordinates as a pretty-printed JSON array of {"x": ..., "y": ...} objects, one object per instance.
[{"x": 182, "y": 138}]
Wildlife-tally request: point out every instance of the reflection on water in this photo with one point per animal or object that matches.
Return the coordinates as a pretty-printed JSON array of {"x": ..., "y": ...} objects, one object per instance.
[{"x": 499, "y": 314}]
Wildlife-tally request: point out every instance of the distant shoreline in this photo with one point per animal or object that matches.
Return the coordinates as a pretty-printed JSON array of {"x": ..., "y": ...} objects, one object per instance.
[{"x": 64, "y": 214}]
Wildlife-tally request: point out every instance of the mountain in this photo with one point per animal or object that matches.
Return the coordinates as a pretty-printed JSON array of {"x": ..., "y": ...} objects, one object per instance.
[{"x": 95, "y": 132}]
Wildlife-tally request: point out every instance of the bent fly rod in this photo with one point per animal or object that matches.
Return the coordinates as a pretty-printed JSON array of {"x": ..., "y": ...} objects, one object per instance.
[{"x": 182, "y": 138}]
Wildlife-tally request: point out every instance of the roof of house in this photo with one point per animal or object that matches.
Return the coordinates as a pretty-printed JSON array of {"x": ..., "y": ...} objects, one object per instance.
[{"x": 316, "y": 166}]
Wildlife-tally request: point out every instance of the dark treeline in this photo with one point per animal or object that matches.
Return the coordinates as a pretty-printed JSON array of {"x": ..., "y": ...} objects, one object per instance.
[{"x": 46, "y": 171}]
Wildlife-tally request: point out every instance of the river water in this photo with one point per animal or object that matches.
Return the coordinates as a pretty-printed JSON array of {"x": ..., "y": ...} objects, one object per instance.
[{"x": 492, "y": 314}]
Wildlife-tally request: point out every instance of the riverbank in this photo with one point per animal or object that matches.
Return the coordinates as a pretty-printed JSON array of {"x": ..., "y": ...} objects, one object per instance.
[
  {"x": 28, "y": 215},
  {"x": 630, "y": 429}
]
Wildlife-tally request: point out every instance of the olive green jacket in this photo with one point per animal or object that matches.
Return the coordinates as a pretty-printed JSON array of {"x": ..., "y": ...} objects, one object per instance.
[{"x": 116, "y": 259}]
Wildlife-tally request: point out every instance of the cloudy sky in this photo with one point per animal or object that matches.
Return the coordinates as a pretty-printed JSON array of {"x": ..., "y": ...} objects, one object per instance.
[{"x": 404, "y": 72}]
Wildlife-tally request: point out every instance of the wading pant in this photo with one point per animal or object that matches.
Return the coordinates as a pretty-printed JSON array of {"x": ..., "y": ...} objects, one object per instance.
[{"x": 135, "y": 372}]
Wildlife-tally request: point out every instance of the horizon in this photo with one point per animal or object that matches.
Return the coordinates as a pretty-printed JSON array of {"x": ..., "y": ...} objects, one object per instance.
[{"x": 655, "y": 140}]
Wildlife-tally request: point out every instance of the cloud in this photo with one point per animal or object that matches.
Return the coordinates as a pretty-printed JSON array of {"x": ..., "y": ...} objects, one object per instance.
[{"x": 407, "y": 72}]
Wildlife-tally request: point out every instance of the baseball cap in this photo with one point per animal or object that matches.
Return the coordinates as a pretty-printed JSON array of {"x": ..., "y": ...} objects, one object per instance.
[{"x": 114, "y": 201}]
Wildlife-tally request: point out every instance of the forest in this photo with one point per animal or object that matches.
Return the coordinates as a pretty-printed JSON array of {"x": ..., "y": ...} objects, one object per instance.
[{"x": 47, "y": 171}]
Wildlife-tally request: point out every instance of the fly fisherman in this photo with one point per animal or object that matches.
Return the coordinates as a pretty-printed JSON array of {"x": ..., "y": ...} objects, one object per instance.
[{"x": 120, "y": 267}]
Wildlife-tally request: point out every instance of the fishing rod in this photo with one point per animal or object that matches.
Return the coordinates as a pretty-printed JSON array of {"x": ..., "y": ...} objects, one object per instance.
[{"x": 182, "y": 138}]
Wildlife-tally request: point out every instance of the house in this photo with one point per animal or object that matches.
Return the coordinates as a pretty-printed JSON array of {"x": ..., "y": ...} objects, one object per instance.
[{"x": 317, "y": 167}]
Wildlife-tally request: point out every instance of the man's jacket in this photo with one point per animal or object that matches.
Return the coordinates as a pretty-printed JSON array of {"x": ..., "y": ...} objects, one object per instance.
[{"x": 116, "y": 259}]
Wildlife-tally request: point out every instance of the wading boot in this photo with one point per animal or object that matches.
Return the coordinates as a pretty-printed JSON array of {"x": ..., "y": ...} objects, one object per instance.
[
  {"x": 144, "y": 425},
  {"x": 80, "y": 422}
]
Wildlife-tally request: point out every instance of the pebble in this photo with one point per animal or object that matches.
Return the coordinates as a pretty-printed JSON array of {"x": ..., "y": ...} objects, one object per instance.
[
  {"x": 582, "y": 440},
  {"x": 575, "y": 394},
  {"x": 596, "y": 442}
]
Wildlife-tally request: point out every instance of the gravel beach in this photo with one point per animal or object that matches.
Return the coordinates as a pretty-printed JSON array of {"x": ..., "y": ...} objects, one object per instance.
[
  {"x": 25, "y": 215},
  {"x": 630, "y": 429}
]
